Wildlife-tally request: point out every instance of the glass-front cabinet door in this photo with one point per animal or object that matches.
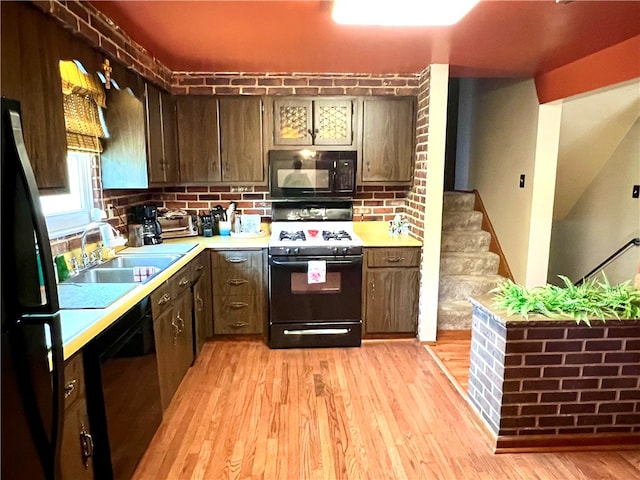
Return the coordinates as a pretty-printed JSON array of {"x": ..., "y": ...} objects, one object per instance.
[{"x": 313, "y": 122}]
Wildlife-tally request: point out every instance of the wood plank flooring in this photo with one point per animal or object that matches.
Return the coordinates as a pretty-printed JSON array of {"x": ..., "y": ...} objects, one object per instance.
[
  {"x": 452, "y": 352},
  {"x": 384, "y": 410}
]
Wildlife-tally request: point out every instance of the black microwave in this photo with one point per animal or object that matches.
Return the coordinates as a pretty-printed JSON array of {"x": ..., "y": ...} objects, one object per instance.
[{"x": 312, "y": 173}]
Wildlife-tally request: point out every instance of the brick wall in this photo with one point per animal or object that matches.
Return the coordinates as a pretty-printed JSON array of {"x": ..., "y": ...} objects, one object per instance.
[
  {"x": 371, "y": 202},
  {"x": 416, "y": 199},
  {"x": 555, "y": 377}
]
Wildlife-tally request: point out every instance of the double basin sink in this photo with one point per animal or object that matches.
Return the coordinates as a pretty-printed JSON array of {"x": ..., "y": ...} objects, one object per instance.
[{"x": 129, "y": 268}]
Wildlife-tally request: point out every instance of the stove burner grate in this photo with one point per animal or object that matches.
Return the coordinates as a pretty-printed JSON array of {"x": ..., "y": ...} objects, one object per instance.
[
  {"x": 293, "y": 236},
  {"x": 339, "y": 235}
]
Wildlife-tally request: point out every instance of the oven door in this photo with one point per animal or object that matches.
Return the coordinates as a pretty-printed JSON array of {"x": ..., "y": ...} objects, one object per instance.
[{"x": 315, "y": 314}]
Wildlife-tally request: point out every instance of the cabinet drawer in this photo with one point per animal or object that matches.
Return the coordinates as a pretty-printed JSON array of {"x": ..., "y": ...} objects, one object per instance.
[
  {"x": 73, "y": 380},
  {"x": 233, "y": 260},
  {"x": 238, "y": 314},
  {"x": 393, "y": 257},
  {"x": 163, "y": 296},
  {"x": 238, "y": 283}
]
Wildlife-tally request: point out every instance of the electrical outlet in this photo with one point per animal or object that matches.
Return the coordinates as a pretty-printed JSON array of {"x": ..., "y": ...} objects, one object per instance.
[
  {"x": 111, "y": 211},
  {"x": 522, "y": 181},
  {"x": 636, "y": 191}
]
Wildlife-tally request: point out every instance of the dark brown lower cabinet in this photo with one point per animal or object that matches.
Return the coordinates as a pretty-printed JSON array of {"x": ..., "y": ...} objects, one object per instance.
[
  {"x": 76, "y": 456},
  {"x": 390, "y": 296},
  {"x": 202, "y": 301},
  {"x": 239, "y": 291}
]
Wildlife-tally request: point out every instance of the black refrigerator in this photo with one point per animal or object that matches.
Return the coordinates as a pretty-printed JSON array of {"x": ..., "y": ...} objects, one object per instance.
[{"x": 32, "y": 358}]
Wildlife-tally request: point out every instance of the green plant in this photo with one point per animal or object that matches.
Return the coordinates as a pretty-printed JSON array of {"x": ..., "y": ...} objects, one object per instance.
[{"x": 592, "y": 299}]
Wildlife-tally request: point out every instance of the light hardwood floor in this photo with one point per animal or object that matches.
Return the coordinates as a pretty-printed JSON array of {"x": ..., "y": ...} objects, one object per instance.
[
  {"x": 452, "y": 352},
  {"x": 384, "y": 410}
]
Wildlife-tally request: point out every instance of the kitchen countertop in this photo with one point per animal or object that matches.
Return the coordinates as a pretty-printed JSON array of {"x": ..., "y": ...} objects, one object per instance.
[
  {"x": 79, "y": 326},
  {"x": 376, "y": 234}
]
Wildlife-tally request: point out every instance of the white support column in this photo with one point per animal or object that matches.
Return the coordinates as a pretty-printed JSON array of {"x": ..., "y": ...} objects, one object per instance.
[{"x": 430, "y": 267}]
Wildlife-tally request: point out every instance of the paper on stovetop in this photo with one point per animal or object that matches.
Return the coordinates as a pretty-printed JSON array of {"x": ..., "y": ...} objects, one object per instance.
[{"x": 317, "y": 271}]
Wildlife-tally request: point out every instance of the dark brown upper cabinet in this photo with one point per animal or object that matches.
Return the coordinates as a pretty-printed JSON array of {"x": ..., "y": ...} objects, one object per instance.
[
  {"x": 306, "y": 121},
  {"x": 198, "y": 139},
  {"x": 31, "y": 74},
  {"x": 162, "y": 146},
  {"x": 220, "y": 139},
  {"x": 241, "y": 148},
  {"x": 388, "y": 133},
  {"x": 124, "y": 159}
]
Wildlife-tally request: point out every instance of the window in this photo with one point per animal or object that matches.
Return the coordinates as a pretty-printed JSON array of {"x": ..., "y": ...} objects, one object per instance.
[{"x": 69, "y": 213}]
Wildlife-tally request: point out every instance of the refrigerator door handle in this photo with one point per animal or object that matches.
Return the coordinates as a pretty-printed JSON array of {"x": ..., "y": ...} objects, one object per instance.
[{"x": 37, "y": 217}]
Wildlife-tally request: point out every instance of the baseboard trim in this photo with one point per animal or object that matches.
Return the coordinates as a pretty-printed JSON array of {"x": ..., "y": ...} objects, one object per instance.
[{"x": 567, "y": 443}]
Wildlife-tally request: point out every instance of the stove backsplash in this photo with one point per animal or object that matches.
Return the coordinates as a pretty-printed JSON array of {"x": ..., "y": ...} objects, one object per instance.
[{"x": 372, "y": 203}]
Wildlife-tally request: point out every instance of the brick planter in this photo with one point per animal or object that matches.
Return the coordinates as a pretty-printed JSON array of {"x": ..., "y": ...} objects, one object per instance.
[{"x": 546, "y": 384}]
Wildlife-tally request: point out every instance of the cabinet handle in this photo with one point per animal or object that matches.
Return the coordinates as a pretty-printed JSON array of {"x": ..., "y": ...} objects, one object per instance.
[
  {"x": 184, "y": 281},
  {"x": 394, "y": 259},
  {"x": 236, "y": 260},
  {"x": 237, "y": 281},
  {"x": 199, "y": 267},
  {"x": 373, "y": 290},
  {"x": 238, "y": 324},
  {"x": 176, "y": 331},
  {"x": 164, "y": 299},
  {"x": 69, "y": 388},
  {"x": 200, "y": 302},
  {"x": 238, "y": 304},
  {"x": 86, "y": 445},
  {"x": 180, "y": 323}
]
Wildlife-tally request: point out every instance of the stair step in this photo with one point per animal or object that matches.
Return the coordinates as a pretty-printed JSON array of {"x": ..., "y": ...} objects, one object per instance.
[
  {"x": 457, "y": 201},
  {"x": 470, "y": 263},
  {"x": 455, "y": 315},
  {"x": 465, "y": 241},
  {"x": 461, "y": 220},
  {"x": 461, "y": 287}
]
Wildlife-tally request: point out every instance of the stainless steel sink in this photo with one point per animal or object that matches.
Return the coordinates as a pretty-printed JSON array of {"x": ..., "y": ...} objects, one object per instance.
[
  {"x": 160, "y": 261},
  {"x": 114, "y": 275}
]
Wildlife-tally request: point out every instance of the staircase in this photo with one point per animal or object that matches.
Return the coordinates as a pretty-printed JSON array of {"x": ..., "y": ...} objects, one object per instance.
[{"x": 467, "y": 267}]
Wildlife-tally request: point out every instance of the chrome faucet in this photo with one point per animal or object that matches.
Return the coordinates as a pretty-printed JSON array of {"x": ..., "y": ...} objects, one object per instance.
[{"x": 83, "y": 241}]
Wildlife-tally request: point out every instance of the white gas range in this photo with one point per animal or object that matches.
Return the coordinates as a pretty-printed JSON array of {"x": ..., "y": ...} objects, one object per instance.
[{"x": 310, "y": 241}]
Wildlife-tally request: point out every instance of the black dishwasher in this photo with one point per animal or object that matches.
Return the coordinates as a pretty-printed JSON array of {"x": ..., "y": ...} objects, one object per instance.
[{"x": 123, "y": 392}]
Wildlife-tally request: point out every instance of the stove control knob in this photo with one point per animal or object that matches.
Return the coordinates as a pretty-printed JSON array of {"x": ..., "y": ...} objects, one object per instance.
[
  {"x": 287, "y": 251},
  {"x": 345, "y": 250},
  {"x": 334, "y": 250},
  {"x": 296, "y": 251}
]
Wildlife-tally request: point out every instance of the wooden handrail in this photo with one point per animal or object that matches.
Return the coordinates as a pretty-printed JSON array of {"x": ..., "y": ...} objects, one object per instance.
[{"x": 494, "y": 245}]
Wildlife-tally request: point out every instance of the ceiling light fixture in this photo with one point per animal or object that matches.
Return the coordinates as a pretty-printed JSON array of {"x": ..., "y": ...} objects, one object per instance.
[{"x": 400, "y": 12}]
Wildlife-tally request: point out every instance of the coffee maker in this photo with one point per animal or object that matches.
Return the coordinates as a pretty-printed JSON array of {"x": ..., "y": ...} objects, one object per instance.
[{"x": 147, "y": 216}]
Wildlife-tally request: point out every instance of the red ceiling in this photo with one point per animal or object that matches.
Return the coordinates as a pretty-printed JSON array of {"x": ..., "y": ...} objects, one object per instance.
[{"x": 497, "y": 38}]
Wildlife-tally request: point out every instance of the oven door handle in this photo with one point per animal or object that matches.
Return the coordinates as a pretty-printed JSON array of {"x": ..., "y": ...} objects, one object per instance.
[
  {"x": 319, "y": 331},
  {"x": 304, "y": 263}
]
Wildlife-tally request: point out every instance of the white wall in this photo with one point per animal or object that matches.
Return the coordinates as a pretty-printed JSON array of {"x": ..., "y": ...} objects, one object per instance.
[
  {"x": 603, "y": 219},
  {"x": 503, "y": 146}
]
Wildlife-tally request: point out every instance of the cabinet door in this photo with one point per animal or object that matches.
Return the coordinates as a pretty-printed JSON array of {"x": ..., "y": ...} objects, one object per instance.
[
  {"x": 241, "y": 139},
  {"x": 292, "y": 122},
  {"x": 76, "y": 458},
  {"x": 165, "y": 331},
  {"x": 31, "y": 75},
  {"x": 184, "y": 343},
  {"x": 124, "y": 160},
  {"x": 391, "y": 300},
  {"x": 155, "y": 147},
  {"x": 198, "y": 142},
  {"x": 203, "y": 311},
  {"x": 332, "y": 122},
  {"x": 387, "y": 140},
  {"x": 170, "y": 138}
]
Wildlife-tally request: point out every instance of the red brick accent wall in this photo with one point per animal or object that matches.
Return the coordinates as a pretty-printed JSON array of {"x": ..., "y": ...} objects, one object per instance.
[
  {"x": 416, "y": 199},
  {"x": 308, "y": 84},
  {"x": 372, "y": 203},
  {"x": 555, "y": 377}
]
